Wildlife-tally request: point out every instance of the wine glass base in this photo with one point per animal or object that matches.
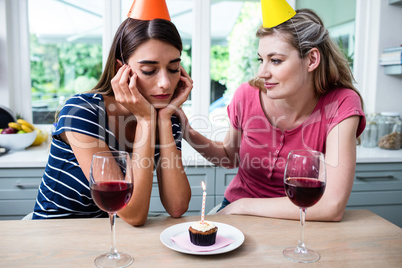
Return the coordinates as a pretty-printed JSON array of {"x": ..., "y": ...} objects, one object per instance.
[
  {"x": 303, "y": 255},
  {"x": 113, "y": 260}
]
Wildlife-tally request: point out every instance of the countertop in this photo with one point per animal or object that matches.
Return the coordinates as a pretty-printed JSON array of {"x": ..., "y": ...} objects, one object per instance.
[
  {"x": 37, "y": 156},
  {"x": 31, "y": 157},
  {"x": 377, "y": 155}
]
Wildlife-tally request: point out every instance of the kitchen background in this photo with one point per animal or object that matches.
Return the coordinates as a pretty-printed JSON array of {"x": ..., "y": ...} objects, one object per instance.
[{"x": 51, "y": 49}]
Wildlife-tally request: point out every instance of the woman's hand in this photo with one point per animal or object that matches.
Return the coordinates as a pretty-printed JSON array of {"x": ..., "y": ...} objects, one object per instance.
[
  {"x": 124, "y": 85},
  {"x": 179, "y": 97},
  {"x": 185, "y": 125},
  {"x": 232, "y": 208}
]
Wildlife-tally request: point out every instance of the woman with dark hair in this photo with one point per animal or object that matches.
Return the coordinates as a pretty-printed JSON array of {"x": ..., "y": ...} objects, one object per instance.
[
  {"x": 130, "y": 109},
  {"x": 302, "y": 98}
]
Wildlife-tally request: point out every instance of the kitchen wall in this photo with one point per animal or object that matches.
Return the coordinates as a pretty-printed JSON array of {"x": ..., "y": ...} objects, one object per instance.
[
  {"x": 379, "y": 28},
  {"x": 389, "y": 87}
]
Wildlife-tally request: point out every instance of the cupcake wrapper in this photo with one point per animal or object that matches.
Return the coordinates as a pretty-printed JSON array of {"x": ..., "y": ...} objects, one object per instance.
[{"x": 203, "y": 240}]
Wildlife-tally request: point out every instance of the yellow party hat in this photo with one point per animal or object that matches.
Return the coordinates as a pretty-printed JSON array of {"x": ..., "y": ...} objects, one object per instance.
[
  {"x": 149, "y": 10},
  {"x": 275, "y": 12}
]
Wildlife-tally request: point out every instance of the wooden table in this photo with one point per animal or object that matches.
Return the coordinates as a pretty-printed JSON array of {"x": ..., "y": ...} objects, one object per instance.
[{"x": 362, "y": 239}]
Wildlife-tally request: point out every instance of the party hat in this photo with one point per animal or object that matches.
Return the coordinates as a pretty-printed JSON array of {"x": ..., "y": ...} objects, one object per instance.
[
  {"x": 149, "y": 10},
  {"x": 275, "y": 12}
]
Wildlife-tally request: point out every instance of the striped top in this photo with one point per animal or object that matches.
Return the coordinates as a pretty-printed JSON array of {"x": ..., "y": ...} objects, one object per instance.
[{"x": 64, "y": 191}]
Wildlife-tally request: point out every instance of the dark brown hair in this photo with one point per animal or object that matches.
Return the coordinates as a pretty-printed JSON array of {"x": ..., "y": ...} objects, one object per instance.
[{"x": 131, "y": 34}]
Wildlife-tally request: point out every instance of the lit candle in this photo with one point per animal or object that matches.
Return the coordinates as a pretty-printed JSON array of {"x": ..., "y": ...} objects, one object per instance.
[{"x": 204, "y": 195}]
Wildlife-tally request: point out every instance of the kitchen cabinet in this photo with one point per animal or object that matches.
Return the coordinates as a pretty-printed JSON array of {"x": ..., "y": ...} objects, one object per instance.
[
  {"x": 222, "y": 179},
  {"x": 19, "y": 187},
  {"x": 395, "y": 2},
  {"x": 18, "y": 190},
  {"x": 194, "y": 175},
  {"x": 377, "y": 187}
]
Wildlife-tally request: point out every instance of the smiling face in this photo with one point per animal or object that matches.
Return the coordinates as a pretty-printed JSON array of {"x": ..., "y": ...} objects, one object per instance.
[
  {"x": 157, "y": 65},
  {"x": 285, "y": 75}
]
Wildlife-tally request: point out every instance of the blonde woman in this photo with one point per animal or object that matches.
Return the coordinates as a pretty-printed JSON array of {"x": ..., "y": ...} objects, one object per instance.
[{"x": 302, "y": 98}]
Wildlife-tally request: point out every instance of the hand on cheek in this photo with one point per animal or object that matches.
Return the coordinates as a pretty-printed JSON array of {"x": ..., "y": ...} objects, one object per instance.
[{"x": 124, "y": 86}]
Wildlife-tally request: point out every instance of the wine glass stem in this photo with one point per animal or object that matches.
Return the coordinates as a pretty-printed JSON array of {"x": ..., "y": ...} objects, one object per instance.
[
  {"x": 113, "y": 251},
  {"x": 301, "y": 247}
]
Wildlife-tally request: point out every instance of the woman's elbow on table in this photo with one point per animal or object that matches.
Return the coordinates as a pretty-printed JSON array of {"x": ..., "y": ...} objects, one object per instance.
[
  {"x": 135, "y": 220},
  {"x": 334, "y": 216},
  {"x": 178, "y": 210},
  {"x": 332, "y": 212}
]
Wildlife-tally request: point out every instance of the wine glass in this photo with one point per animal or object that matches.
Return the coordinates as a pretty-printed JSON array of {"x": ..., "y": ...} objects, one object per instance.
[
  {"x": 305, "y": 181},
  {"x": 111, "y": 184}
]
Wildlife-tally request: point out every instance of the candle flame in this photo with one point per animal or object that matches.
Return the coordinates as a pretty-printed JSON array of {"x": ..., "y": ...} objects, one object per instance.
[{"x": 203, "y": 186}]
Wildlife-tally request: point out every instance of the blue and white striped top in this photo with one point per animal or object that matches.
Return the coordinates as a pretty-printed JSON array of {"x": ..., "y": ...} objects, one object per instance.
[{"x": 64, "y": 191}]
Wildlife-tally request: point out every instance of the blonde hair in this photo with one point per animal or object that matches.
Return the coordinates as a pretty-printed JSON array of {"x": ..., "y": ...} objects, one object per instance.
[{"x": 305, "y": 31}]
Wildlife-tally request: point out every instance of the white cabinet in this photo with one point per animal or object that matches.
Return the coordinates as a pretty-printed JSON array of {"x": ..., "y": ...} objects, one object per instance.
[
  {"x": 222, "y": 179},
  {"x": 18, "y": 190},
  {"x": 194, "y": 176}
]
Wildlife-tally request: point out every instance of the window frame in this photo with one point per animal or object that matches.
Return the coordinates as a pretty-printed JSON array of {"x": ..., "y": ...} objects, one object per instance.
[{"x": 15, "y": 68}]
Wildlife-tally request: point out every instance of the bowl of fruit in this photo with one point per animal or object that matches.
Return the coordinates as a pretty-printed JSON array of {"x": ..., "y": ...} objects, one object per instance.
[{"x": 18, "y": 135}]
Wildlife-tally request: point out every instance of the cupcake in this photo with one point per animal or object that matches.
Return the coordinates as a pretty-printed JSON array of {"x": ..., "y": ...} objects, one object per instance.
[{"x": 203, "y": 234}]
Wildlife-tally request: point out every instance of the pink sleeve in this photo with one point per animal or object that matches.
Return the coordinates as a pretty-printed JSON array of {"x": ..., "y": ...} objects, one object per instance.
[{"x": 345, "y": 104}]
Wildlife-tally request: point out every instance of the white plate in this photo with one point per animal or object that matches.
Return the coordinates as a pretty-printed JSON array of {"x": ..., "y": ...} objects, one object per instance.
[{"x": 223, "y": 230}]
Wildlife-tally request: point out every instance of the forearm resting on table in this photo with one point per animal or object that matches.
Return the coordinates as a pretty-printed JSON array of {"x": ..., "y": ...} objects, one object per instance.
[{"x": 281, "y": 208}]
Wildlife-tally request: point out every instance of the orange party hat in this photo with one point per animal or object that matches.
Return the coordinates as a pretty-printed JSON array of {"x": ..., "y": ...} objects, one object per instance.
[
  {"x": 149, "y": 10},
  {"x": 275, "y": 12}
]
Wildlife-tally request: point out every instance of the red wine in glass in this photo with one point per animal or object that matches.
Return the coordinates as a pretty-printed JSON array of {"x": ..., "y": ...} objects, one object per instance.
[
  {"x": 111, "y": 196},
  {"x": 111, "y": 183},
  {"x": 304, "y": 192},
  {"x": 304, "y": 183}
]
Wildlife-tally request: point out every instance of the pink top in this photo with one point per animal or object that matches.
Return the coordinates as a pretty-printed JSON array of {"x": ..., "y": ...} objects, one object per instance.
[{"x": 264, "y": 148}]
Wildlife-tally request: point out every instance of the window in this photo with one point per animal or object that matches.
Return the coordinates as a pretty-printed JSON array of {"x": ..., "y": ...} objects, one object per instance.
[
  {"x": 233, "y": 52},
  {"x": 65, "y": 52},
  {"x": 339, "y": 18},
  {"x": 208, "y": 27}
]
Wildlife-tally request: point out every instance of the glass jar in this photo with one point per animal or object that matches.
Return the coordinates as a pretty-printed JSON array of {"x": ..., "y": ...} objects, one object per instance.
[
  {"x": 373, "y": 117},
  {"x": 389, "y": 131},
  {"x": 370, "y": 134}
]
